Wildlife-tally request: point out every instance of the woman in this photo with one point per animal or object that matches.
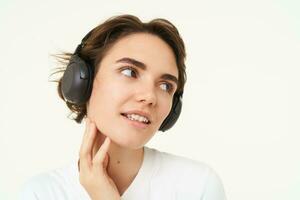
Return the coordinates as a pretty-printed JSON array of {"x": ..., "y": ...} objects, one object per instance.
[{"x": 127, "y": 79}]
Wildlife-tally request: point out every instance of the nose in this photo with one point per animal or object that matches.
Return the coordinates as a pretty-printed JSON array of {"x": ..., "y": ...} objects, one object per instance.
[{"x": 147, "y": 95}]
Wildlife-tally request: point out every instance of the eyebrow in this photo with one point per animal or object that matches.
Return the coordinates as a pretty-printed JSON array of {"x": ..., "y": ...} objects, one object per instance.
[{"x": 143, "y": 66}]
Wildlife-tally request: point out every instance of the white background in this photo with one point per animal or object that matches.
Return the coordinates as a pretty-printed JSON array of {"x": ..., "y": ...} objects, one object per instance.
[{"x": 241, "y": 103}]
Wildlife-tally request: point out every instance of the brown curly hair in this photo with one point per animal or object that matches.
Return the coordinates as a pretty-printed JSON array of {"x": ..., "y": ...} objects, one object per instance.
[{"x": 106, "y": 34}]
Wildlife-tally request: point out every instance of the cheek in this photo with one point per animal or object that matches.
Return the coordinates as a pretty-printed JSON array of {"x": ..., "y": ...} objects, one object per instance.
[
  {"x": 165, "y": 108},
  {"x": 106, "y": 100}
]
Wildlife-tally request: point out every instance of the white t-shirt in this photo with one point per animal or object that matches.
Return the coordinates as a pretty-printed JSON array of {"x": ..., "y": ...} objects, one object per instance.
[{"x": 162, "y": 176}]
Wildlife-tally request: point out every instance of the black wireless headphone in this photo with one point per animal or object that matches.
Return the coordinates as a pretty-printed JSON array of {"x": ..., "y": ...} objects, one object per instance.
[{"x": 77, "y": 82}]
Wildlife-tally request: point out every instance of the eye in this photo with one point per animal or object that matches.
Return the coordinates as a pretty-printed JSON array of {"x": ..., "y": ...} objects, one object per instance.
[
  {"x": 127, "y": 71},
  {"x": 168, "y": 87}
]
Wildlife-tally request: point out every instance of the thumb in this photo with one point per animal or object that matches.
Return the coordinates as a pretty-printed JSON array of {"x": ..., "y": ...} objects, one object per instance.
[
  {"x": 100, "y": 157},
  {"x": 106, "y": 161}
]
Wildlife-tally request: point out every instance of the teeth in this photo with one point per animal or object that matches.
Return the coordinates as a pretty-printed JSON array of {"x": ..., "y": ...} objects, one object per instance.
[{"x": 137, "y": 118}]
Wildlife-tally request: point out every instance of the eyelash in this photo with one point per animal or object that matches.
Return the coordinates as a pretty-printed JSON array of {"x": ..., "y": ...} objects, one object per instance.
[{"x": 136, "y": 72}]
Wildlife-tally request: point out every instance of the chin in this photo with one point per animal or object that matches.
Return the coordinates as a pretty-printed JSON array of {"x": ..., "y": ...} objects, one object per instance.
[{"x": 129, "y": 144}]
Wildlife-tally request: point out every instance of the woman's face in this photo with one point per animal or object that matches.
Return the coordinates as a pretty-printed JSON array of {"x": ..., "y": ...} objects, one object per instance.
[{"x": 131, "y": 78}]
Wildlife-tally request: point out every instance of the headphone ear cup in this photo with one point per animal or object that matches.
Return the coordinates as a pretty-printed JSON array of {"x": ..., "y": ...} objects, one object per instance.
[
  {"x": 76, "y": 83},
  {"x": 173, "y": 115}
]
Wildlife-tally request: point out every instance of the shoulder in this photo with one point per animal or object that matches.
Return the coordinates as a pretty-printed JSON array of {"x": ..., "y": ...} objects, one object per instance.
[
  {"x": 56, "y": 183},
  {"x": 171, "y": 163},
  {"x": 188, "y": 176},
  {"x": 37, "y": 187}
]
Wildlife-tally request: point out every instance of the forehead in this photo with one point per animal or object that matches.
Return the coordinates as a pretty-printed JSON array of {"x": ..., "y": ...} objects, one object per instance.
[{"x": 155, "y": 53}]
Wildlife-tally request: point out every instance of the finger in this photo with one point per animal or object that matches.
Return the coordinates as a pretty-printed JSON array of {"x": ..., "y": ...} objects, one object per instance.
[
  {"x": 101, "y": 154},
  {"x": 82, "y": 158},
  {"x": 87, "y": 121},
  {"x": 87, "y": 145}
]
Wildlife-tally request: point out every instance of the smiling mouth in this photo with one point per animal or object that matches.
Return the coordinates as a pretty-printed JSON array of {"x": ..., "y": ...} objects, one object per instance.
[{"x": 124, "y": 115}]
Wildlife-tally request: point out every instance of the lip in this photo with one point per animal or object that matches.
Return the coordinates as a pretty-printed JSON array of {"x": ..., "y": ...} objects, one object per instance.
[
  {"x": 139, "y": 112},
  {"x": 136, "y": 124}
]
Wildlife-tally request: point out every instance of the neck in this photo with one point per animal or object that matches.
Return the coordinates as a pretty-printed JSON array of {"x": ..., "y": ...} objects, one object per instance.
[{"x": 124, "y": 163}]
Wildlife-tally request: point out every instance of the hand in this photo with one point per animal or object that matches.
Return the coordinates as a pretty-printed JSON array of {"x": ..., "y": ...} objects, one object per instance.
[{"x": 93, "y": 169}]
